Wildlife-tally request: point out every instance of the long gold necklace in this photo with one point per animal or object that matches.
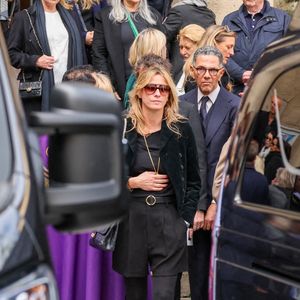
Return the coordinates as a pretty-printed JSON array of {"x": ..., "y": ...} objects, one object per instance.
[{"x": 150, "y": 156}]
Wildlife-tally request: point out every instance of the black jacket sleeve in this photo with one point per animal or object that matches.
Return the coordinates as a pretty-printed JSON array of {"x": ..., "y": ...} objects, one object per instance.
[
  {"x": 100, "y": 53},
  {"x": 22, "y": 47}
]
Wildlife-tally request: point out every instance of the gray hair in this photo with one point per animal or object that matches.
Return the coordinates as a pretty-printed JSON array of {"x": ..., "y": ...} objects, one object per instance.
[
  {"x": 199, "y": 3},
  {"x": 119, "y": 12},
  {"x": 208, "y": 50}
]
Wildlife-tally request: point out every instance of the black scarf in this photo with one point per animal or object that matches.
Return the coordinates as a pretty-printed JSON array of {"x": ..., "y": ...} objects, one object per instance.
[{"x": 75, "y": 52}]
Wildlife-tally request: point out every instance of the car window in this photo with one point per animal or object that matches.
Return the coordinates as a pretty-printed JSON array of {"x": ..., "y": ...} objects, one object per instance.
[
  {"x": 273, "y": 154},
  {"x": 5, "y": 148}
]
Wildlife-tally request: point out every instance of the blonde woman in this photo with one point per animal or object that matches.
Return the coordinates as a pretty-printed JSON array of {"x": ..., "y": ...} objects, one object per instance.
[
  {"x": 148, "y": 41},
  {"x": 189, "y": 39},
  {"x": 43, "y": 43},
  {"x": 222, "y": 38},
  {"x": 164, "y": 187},
  {"x": 115, "y": 30}
]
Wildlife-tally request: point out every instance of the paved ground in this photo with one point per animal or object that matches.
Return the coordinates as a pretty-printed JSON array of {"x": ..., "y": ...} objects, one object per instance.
[{"x": 185, "y": 287}]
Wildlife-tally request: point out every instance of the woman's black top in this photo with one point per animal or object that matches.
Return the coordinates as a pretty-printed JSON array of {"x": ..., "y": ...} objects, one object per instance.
[{"x": 143, "y": 163}]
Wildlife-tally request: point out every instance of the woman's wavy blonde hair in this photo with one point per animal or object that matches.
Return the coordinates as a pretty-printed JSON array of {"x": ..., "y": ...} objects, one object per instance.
[
  {"x": 194, "y": 33},
  {"x": 216, "y": 34},
  {"x": 148, "y": 41},
  {"x": 84, "y": 4},
  {"x": 171, "y": 115}
]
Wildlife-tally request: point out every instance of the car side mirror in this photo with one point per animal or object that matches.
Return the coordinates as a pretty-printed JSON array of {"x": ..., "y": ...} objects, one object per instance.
[{"x": 86, "y": 157}]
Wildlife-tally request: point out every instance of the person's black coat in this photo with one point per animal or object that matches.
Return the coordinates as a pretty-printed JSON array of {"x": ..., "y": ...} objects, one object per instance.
[
  {"x": 179, "y": 17},
  {"x": 162, "y": 6},
  {"x": 23, "y": 48},
  {"x": 177, "y": 159},
  {"x": 107, "y": 48},
  {"x": 189, "y": 111}
]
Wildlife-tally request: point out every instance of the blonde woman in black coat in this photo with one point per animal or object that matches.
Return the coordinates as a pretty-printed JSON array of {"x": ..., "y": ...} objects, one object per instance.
[
  {"x": 49, "y": 53},
  {"x": 165, "y": 185}
]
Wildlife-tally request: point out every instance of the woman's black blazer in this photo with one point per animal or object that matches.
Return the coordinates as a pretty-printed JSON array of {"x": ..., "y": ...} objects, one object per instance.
[
  {"x": 22, "y": 45},
  {"x": 107, "y": 47}
]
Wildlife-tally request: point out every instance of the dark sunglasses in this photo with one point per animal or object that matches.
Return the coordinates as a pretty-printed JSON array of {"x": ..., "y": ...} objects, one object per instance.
[
  {"x": 151, "y": 89},
  {"x": 202, "y": 70}
]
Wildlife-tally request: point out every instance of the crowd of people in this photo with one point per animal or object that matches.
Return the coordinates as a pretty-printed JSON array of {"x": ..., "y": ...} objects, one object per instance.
[{"x": 179, "y": 77}]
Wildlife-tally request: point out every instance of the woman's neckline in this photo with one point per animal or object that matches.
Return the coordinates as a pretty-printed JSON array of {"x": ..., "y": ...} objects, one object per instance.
[{"x": 150, "y": 133}]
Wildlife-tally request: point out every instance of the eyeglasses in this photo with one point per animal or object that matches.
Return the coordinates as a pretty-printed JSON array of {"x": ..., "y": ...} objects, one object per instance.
[
  {"x": 151, "y": 89},
  {"x": 202, "y": 70}
]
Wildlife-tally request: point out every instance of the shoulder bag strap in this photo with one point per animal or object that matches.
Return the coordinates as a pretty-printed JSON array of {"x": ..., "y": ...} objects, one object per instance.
[
  {"x": 37, "y": 40},
  {"x": 124, "y": 140},
  {"x": 132, "y": 25},
  {"x": 78, "y": 11}
]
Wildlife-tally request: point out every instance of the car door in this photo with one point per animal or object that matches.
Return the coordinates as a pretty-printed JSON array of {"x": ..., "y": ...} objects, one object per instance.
[
  {"x": 24, "y": 263},
  {"x": 256, "y": 251}
]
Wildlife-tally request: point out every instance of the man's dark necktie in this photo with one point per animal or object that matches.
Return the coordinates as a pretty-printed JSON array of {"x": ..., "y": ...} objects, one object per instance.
[{"x": 203, "y": 111}]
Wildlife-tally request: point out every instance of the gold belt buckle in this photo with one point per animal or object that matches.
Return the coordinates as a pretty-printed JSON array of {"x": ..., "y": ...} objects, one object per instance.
[{"x": 150, "y": 200}]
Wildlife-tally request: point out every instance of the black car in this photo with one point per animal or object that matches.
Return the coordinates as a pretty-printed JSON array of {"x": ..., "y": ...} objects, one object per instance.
[
  {"x": 76, "y": 200},
  {"x": 256, "y": 238}
]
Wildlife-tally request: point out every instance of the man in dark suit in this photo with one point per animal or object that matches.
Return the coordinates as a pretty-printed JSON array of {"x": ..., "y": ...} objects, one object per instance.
[{"x": 217, "y": 109}]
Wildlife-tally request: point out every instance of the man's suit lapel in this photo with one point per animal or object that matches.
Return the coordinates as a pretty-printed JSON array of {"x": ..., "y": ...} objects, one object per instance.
[
  {"x": 192, "y": 97},
  {"x": 217, "y": 116}
]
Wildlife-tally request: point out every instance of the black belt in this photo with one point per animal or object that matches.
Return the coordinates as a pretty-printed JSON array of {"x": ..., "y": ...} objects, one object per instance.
[{"x": 152, "y": 200}]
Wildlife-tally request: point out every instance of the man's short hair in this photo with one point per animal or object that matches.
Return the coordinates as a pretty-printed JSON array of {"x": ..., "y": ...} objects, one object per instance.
[
  {"x": 252, "y": 151},
  {"x": 208, "y": 50}
]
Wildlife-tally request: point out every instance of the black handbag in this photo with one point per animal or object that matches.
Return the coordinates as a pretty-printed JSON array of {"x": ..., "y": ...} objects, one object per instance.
[
  {"x": 31, "y": 89},
  {"x": 105, "y": 239}
]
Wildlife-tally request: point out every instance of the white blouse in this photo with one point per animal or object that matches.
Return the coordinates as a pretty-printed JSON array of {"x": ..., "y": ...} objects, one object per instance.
[{"x": 58, "y": 39}]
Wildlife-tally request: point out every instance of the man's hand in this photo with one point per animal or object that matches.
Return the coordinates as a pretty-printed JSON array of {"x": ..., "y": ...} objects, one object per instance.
[
  {"x": 210, "y": 217},
  {"x": 198, "y": 220},
  {"x": 89, "y": 38},
  {"x": 246, "y": 76}
]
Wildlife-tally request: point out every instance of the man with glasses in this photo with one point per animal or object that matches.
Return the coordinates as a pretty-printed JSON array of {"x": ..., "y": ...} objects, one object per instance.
[{"x": 217, "y": 109}]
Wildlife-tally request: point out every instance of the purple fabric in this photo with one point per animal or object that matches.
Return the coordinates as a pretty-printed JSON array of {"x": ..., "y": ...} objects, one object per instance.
[{"x": 82, "y": 272}]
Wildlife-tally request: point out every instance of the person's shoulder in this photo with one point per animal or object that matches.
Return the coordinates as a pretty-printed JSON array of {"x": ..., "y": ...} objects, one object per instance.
[
  {"x": 184, "y": 104},
  {"x": 22, "y": 15},
  {"x": 279, "y": 12},
  {"x": 156, "y": 13},
  {"x": 105, "y": 10},
  {"x": 184, "y": 127},
  {"x": 231, "y": 16},
  {"x": 188, "y": 95},
  {"x": 230, "y": 97}
]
